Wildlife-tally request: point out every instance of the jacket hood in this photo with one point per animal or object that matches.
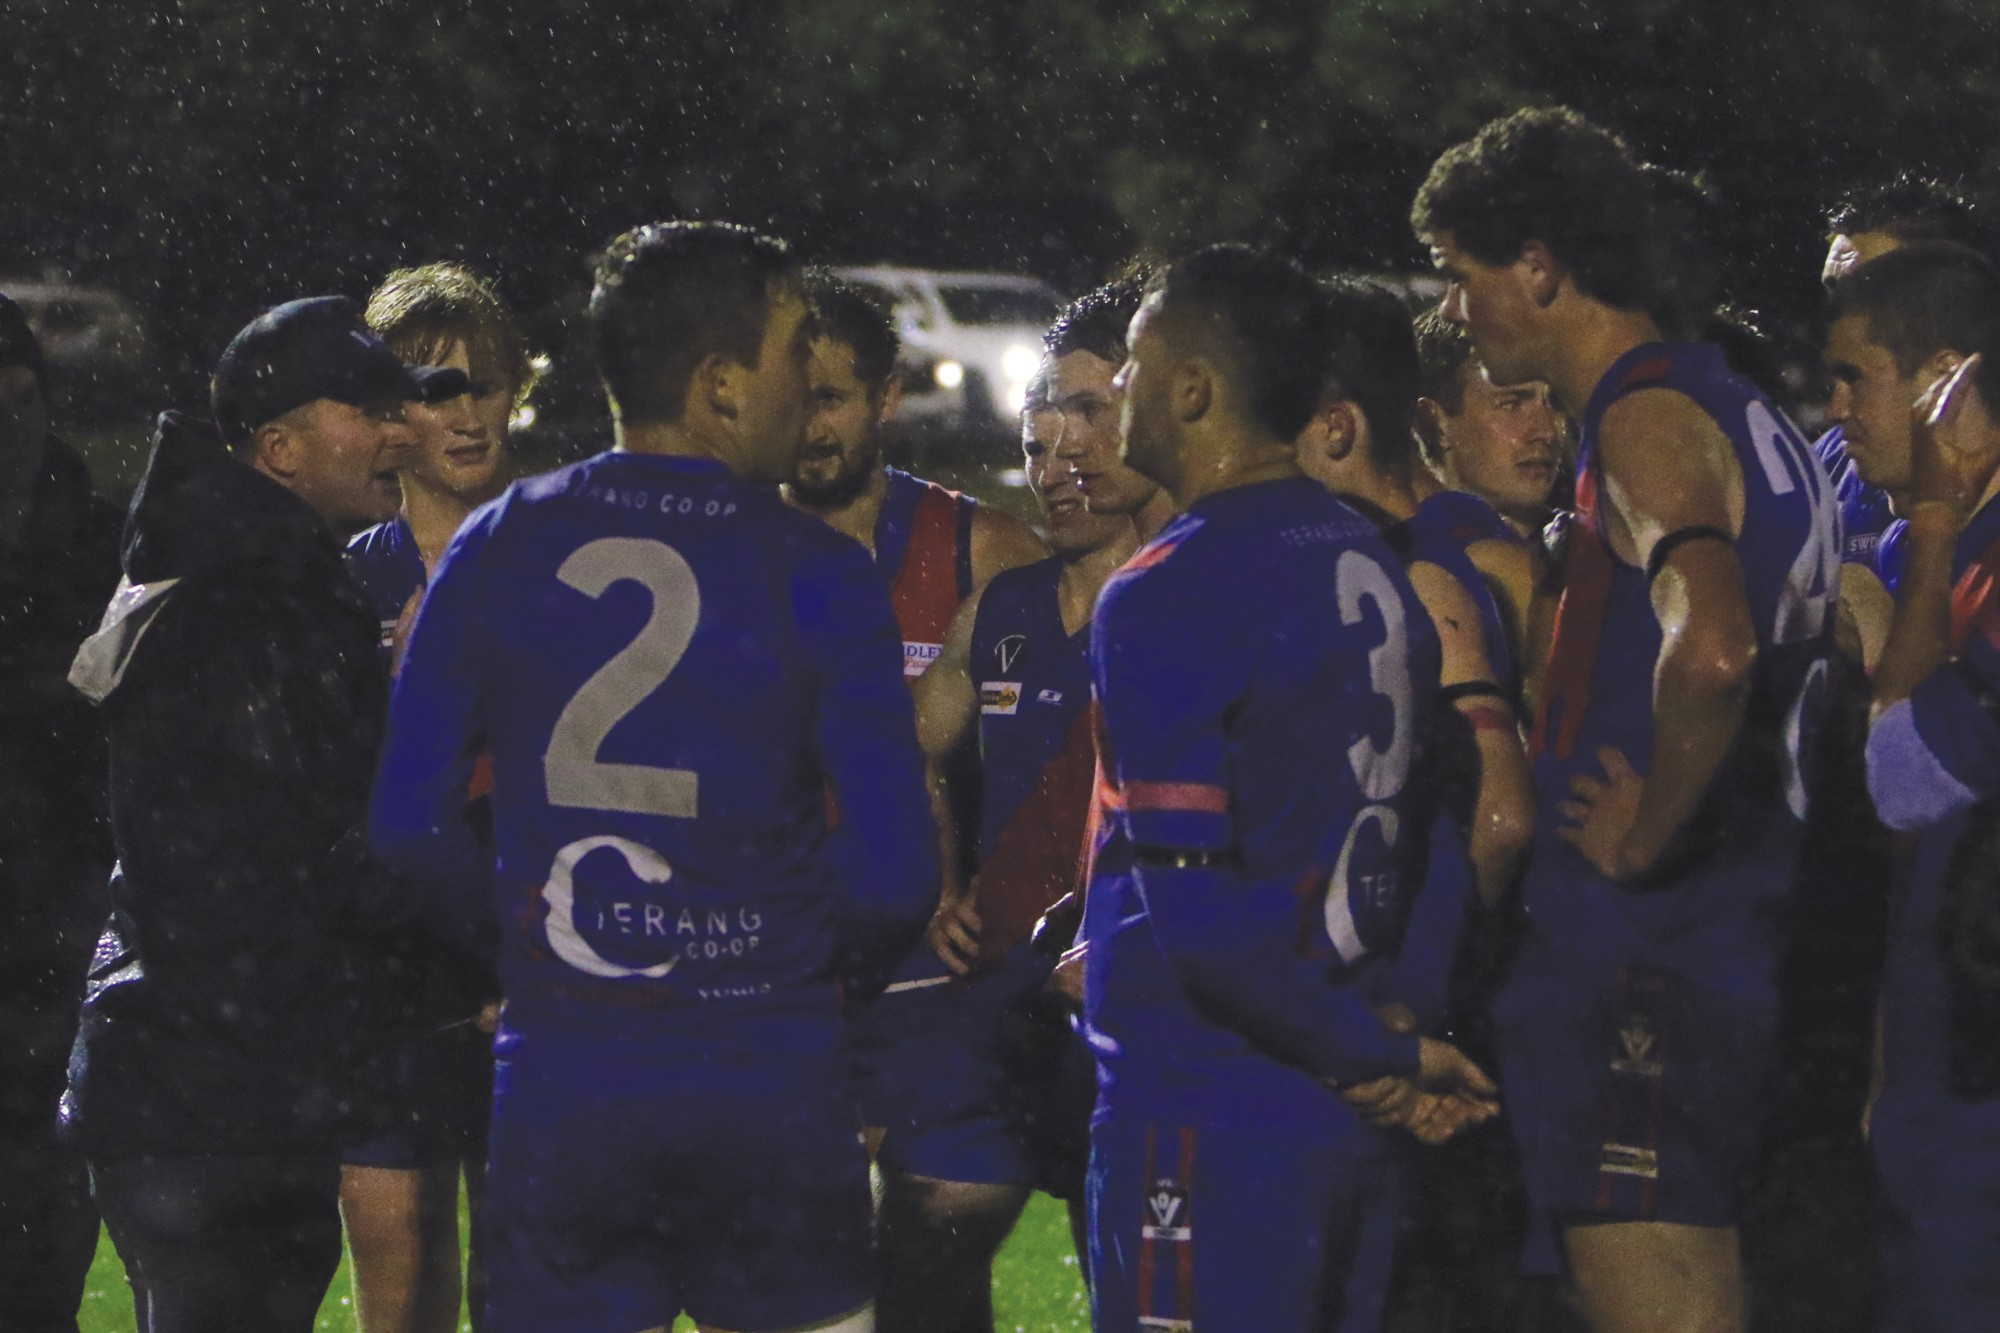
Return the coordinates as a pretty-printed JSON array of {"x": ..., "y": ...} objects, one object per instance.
[{"x": 198, "y": 507}]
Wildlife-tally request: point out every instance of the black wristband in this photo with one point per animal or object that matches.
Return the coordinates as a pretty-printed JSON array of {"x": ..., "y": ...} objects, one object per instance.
[
  {"x": 1471, "y": 689},
  {"x": 1186, "y": 858},
  {"x": 1698, "y": 532}
]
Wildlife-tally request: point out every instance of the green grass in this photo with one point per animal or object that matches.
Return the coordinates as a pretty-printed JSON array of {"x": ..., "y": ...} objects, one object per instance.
[{"x": 1037, "y": 1284}]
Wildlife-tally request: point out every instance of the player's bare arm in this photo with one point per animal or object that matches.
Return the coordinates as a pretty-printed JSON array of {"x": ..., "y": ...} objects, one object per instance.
[
  {"x": 1504, "y": 813},
  {"x": 1512, "y": 570},
  {"x": 1670, "y": 473},
  {"x": 947, "y": 704},
  {"x": 1864, "y": 611},
  {"x": 1001, "y": 541}
]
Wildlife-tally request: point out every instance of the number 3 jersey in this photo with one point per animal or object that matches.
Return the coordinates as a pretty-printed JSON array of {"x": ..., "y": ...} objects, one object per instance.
[
  {"x": 1263, "y": 671},
  {"x": 1715, "y": 912},
  {"x": 671, "y": 669}
]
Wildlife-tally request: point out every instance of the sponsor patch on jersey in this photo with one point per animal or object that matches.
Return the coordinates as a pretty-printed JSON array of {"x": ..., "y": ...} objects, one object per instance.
[
  {"x": 1622, "y": 1159},
  {"x": 917, "y": 657},
  {"x": 1000, "y": 696},
  {"x": 1049, "y": 697}
]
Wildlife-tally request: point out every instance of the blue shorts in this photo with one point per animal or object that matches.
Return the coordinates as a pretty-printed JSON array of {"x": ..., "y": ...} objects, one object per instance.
[
  {"x": 1226, "y": 1217},
  {"x": 434, "y": 1096},
  {"x": 631, "y": 1180},
  {"x": 979, "y": 1080},
  {"x": 1638, "y": 1097}
]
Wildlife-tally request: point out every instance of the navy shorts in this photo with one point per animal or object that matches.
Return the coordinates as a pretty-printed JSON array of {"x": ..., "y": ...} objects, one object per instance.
[
  {"x": 978, "y": 1080},
  {"x": 1284, "y": 1222},
  {"x": 631, "y": 1180},
  {"x": 433, "y": 1096},
  {"x": 1638, "y": 1097},
  {"x": 1939, "y": 1220}
]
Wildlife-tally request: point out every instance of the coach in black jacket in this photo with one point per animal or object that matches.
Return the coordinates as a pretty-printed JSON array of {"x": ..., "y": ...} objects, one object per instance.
[{"x": 238, "y": 669}]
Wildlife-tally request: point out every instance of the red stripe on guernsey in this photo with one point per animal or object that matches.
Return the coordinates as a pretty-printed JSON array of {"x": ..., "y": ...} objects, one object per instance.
[
  {"x": 1034, "y": 858},
  {"x": 1579, "y": 630},
  {"x": 1148, "y": 556},
  {"x": 481, "y": 782},
  {"x": 925, "y": 590},
  {"x": 1104, "y": 801},
  {"x": 1645, "y": 375},
  {"x": 1192, "y": 797},
  {"x": 1184, "y": 1255},
  {"x": 1974, "y": 604},
  {"x": 1146, "y": 1242}
]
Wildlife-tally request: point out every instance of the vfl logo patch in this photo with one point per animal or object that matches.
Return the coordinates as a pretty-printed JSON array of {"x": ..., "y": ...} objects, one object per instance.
[
  {"x": 1049, "y": 697},
  {"x": 917, "y": 657},
  {"x": 1166, "y": 1212},
  {"x": 1008, "y": 651},
  {"x": 1637, "y": 1039},
  {"x": 1000, "y": 696}
]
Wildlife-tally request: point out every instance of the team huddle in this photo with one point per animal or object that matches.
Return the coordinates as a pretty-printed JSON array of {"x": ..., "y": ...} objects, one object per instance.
[{"x": 1394, "y": 725}]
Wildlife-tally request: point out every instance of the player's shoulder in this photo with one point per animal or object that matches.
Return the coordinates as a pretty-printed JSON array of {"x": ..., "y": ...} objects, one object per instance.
[{"x": 1464, "y": 518}]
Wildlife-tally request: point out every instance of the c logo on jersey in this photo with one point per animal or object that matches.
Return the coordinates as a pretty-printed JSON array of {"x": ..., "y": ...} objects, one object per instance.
[
  {"x": 560, "y": 894},
  {"x": 1008, "y": 651},
  {"x": 1000, "y": 696}
]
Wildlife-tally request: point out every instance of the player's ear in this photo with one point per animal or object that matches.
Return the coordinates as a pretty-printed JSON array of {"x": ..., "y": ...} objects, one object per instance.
[
  {"x": 1346, "y": 429},
  {"x": 1428, "y": 425},
  {"x": 717, "y": 387},
  {"x": 1942, "y": 363},
  {"x": 1193, "y": 390},
  {"x": 277, "y": 448},
  {"x": 892, "y": 399},
  {"x": 1539, "y": 273}
]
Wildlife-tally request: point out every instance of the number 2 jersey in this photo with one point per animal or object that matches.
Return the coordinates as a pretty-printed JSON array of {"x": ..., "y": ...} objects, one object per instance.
[
  {"x": 671, "y": 669},
  {"x": 1715, "y": 915},
  {"x": 1263, "y": 672}
]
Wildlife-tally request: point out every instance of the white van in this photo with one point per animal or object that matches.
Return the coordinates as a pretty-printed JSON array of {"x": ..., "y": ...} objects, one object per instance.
[{"x": 971, "y": 341}]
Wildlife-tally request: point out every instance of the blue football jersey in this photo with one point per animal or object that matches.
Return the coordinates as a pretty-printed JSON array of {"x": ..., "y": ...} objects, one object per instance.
[
  {"x": 1257, "y": 667},
  {"x": 1741, "y": 846},
  {"x": 1441, "y": 531},
  {"x": 679, "y": 679},
  {"x": 1864, "y": 509},
  {"x": 385, "y": 561}
]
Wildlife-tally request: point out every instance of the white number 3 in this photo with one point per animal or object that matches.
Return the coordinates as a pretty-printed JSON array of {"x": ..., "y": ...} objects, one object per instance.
[{"x": 570, "y": 766}]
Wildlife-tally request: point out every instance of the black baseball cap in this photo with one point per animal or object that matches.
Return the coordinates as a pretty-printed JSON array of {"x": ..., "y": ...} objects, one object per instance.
[{"x": 319, "y": 347}]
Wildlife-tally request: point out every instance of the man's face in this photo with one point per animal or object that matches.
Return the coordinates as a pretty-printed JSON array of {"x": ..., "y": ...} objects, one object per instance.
[
  {"x": 1151, "y": 439},
  {"x": 24, "y": 416},
  {"x": 346, "y": 458},
  {"x": 457, "y": 443},
  {"x": 1844, "y": 254},
  {"x": 843, "y": 446},
  {"x": 1075, "y": 528},
  {"x": 1492, "y": 303},
  {"x": 1871, "y": 403},
  {"x": 772, "y": 416},
  {"x": 1504, "y": 443},
  {"x": 1082, "y": 388}
]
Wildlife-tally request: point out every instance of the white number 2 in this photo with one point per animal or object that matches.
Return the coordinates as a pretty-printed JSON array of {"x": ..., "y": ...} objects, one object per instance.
[
  {"x": 570, "y": 766},
  {"x": 1381, "y": 773}
]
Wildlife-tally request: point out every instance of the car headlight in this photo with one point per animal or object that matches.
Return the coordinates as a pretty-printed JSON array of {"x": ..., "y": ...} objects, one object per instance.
[
  {"x": 948, "y": 374},
  {"x": 1020, "y": 362}
]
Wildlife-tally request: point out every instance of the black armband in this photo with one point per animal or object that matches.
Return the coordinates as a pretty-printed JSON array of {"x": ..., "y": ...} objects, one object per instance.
[
  {"x": 1472, "y": 689},
  {"x": 1696, "y": 532},
  {"x": 1187, "y": 858}
]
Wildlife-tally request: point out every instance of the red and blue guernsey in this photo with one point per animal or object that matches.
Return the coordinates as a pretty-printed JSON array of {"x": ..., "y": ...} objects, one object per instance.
[
  {"x": 1263, "y": 672},
  {"x": 1933, "y": 767},
  {"x": 968, "y": 1078},
  {"x": 385, "y": 561},
  {"x": 671, "y": 668},
  {"x": 1442, "y": 531},
  {"x": 923, "y": 543},
  {"x": 1636, "y": 1030}
]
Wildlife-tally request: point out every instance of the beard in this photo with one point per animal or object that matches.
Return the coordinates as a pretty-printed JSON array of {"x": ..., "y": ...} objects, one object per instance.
[{"x": 817, "y": 489}]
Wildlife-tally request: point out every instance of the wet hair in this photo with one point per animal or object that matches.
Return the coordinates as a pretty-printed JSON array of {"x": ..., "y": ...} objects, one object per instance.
[
  {"x": 1372, "y": 362},
  {"x": 1096, "y": 322},
  {"x": 1749, "y": 350},
  {"x": 1924, "y": 298},
  {"x": 1910, "y": 208},
  {"x": 1444, "y": 350},
  {"x": 1265, "y": 319},
  {"x": 1551, "y": 176},
  {"x": 671, "y": 294},
  {"x": 421, "y": 312},
  {"x": 846, "y": 315}
]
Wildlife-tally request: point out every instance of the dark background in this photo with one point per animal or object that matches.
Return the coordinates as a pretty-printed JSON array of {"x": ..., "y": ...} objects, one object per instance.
[{"x": 210, "y": 157}]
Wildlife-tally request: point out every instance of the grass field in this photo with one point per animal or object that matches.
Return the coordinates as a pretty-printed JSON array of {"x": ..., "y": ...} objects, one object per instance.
[{"x": 1037, "y": 1285}]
